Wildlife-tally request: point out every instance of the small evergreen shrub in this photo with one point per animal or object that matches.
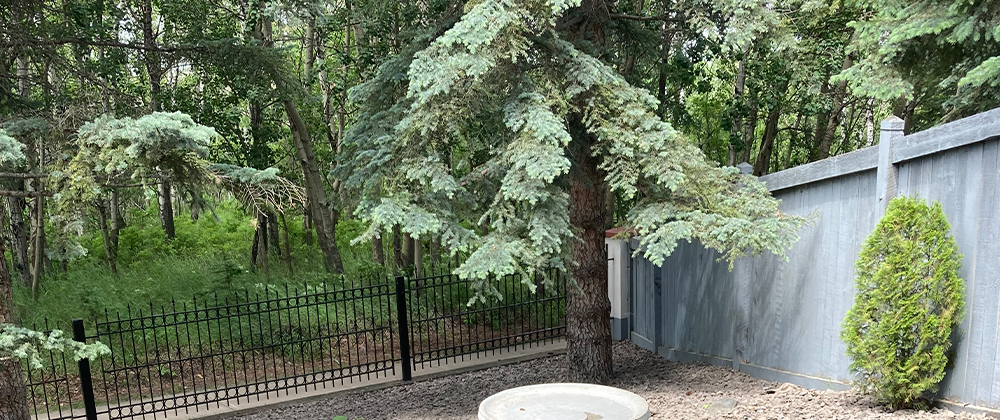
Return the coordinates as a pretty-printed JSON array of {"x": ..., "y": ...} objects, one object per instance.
[{"x": 909, "y": 297}]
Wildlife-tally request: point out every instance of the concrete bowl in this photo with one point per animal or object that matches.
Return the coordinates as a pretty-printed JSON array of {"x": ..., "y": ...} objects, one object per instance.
[{"x": 564, "y": 401}]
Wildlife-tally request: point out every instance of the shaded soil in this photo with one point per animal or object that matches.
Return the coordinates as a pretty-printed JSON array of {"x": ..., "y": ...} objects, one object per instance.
[{"x": 673, "y": 390}]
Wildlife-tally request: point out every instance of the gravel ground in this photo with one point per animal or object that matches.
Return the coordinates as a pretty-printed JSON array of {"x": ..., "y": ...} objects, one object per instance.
[{"x": 673, "y": 390}]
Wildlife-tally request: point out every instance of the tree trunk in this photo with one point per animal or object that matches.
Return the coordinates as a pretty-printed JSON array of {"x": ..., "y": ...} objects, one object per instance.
[
  {"x": 19, "y": 233},
  {"x": 117, "y": 221},
  {"x": 109, "y": 250},
  {"x": 904, "y": 109},
  {"x": 736, "y": 135},
  {"x": 378, "y": 253},
  {"x": 408, "y": 253},
  {"x": 749, "y": 132},
  {"x": 588, "y": 310},
  {"x": 288, "y": 245},
  {"x": 315, "y": 193},
  {"x": 258, "y": 252},
  {"x": 397, "y": 247},
  {"x": 821, "y": 122},
  {"x": 262, "y": 241},
  {"x": 791, "y": 140},
  {"x": 38, "y": 221},
  {"x": 435, "y": 250},
  {"x": 274, "y": 242},
  {"x": 418, "y": 258},
  {"x": 13, "y": 394},
  {"x": 763, "y": 164},
  {"x": 839, "y": 94},
  {"x": 166, "y": 206}
]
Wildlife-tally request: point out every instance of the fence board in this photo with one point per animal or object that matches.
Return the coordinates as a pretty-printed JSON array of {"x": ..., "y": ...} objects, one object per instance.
[{"x": 782, "y": 319}]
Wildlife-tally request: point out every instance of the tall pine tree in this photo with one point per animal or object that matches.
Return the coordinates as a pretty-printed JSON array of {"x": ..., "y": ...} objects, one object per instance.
[{"x": 502, "y": 138}]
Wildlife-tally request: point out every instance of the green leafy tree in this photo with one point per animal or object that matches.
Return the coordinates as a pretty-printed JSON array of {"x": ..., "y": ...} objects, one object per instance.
[
  {"x": 504, "y": 145},
  {"x": 938, "y": 54},
  {"x": 909, "y": 297}
]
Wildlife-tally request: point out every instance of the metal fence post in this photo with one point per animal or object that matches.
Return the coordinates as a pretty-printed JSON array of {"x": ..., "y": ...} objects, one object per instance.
[
  {"x": 404, "y": 328},
  {"x": 86, "y": 382}
]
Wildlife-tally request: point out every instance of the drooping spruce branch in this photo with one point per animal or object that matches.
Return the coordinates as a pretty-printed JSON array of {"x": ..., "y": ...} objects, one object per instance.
[{"x": 495, "y": 93}]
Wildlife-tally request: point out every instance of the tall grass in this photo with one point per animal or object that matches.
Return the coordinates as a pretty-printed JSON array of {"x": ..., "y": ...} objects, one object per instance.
[{"x": 206, "y": 258}]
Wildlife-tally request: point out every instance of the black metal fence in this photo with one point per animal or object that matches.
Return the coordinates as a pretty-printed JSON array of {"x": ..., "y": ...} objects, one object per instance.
[{"x": 188, "y": 357}]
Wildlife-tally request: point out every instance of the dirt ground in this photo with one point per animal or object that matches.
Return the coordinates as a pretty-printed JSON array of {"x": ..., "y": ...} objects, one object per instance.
[{"x": 673, "y": 390}]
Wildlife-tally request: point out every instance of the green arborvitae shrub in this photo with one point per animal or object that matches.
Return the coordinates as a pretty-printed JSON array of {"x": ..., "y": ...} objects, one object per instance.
[{"x": 909, "y": 297}]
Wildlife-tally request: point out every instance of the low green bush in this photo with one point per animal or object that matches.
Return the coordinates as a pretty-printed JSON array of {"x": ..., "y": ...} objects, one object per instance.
[{"x": 909, "y": 297}]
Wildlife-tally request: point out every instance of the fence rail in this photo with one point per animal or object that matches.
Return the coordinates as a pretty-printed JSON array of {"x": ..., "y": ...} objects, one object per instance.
[{"x": 187, "y": 357}]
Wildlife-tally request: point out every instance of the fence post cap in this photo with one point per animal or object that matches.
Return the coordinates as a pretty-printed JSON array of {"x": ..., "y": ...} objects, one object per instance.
[{"x": 893, "y": 123}]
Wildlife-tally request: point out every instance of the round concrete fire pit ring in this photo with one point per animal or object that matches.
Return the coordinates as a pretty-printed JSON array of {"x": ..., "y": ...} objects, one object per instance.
[{"x": 564, "y": 402}]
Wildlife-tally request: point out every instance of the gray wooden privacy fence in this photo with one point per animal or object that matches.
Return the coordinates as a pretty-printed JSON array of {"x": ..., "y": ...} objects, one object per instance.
[{"x": 781, "y": 320}]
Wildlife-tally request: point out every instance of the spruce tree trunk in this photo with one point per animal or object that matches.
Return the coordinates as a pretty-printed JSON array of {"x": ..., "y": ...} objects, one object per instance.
[
  {"x": 155, "y": 72},
  {"x": 166, "y": 206},
  {"x": 588, "y": 310}
]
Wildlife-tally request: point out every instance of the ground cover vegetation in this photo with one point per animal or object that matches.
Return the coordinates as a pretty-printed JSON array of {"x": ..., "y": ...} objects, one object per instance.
[{"x": 158, "y": 150}]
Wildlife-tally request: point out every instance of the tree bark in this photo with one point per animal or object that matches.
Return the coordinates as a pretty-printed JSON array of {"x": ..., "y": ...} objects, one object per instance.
[
  {"x": 117, "y": 221},
  {"x": 407, "y": 250},
  {"x": 821, "y": 123},
  {"x": 378, "y": 253},
  {"x": 435, "y": 250},
  {"x": 166, "y": 206},
  {"x": 763, "y": 164},
  {"x": 737, "y": 131},
  {"x": 588, "y": 310},
  {"x": 418, "y": 258},
  {"x": 315, "y": 193},
  {"x": 791, "y": 140},
  {"x": 109, "y": 250},
  {"x": 839, "y": 94},
  {"x": 19, "y": 233},
  {"x": 397, "y": 247},
  {"x": 274, "y": 241},
  {"x": 288, "y": 245},
  {"x": 260, "y": 248},
  {"x": 38, "y": 221},
  {"x": 749, "y": 132}
]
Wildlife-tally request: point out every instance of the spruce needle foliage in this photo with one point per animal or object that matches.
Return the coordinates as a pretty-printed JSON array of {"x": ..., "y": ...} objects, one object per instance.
[
  {"x": 909, "y": 297},
  {"x": 468, "y": 139}
]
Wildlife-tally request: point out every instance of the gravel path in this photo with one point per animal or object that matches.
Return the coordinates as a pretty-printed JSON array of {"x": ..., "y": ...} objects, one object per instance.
[{"x": 674, "y": 391}]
